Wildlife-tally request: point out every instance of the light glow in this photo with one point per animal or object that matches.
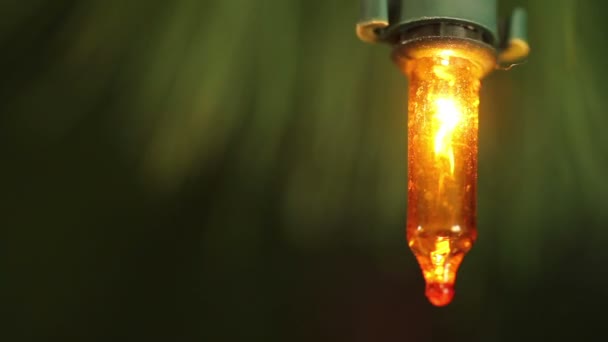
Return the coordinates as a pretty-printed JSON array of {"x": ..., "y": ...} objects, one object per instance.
[{"x": 448, "y": 116}]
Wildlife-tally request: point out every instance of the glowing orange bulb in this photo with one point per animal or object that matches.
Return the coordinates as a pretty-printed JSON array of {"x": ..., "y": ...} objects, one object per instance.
[{"x": 444, "y": 80}]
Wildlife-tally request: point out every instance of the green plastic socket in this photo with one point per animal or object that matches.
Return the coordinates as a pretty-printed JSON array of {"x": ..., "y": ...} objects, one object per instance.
[
  {"x": 384, "y": 20},
  {"x": 481, "y": 13}
]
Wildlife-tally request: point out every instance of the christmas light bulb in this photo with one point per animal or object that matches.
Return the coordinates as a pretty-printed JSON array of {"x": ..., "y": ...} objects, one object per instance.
[
  {"x": 444, "y": 81},
  {"x": 445, "y": 48}
]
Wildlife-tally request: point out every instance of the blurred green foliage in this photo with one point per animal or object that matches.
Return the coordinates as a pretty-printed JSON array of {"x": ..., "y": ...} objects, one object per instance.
[{"x": 235, "y": 170}]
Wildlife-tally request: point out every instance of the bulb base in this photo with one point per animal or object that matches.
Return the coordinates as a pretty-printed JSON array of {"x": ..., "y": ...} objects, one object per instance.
[{"x": 482, "y": 55}]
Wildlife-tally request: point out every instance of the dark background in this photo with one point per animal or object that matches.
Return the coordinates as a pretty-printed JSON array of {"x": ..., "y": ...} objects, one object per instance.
[{"x": 219, "y": 170}]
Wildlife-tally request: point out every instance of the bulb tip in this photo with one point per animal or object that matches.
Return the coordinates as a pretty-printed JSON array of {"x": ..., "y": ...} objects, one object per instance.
[{"x": 440, "y": 294}]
